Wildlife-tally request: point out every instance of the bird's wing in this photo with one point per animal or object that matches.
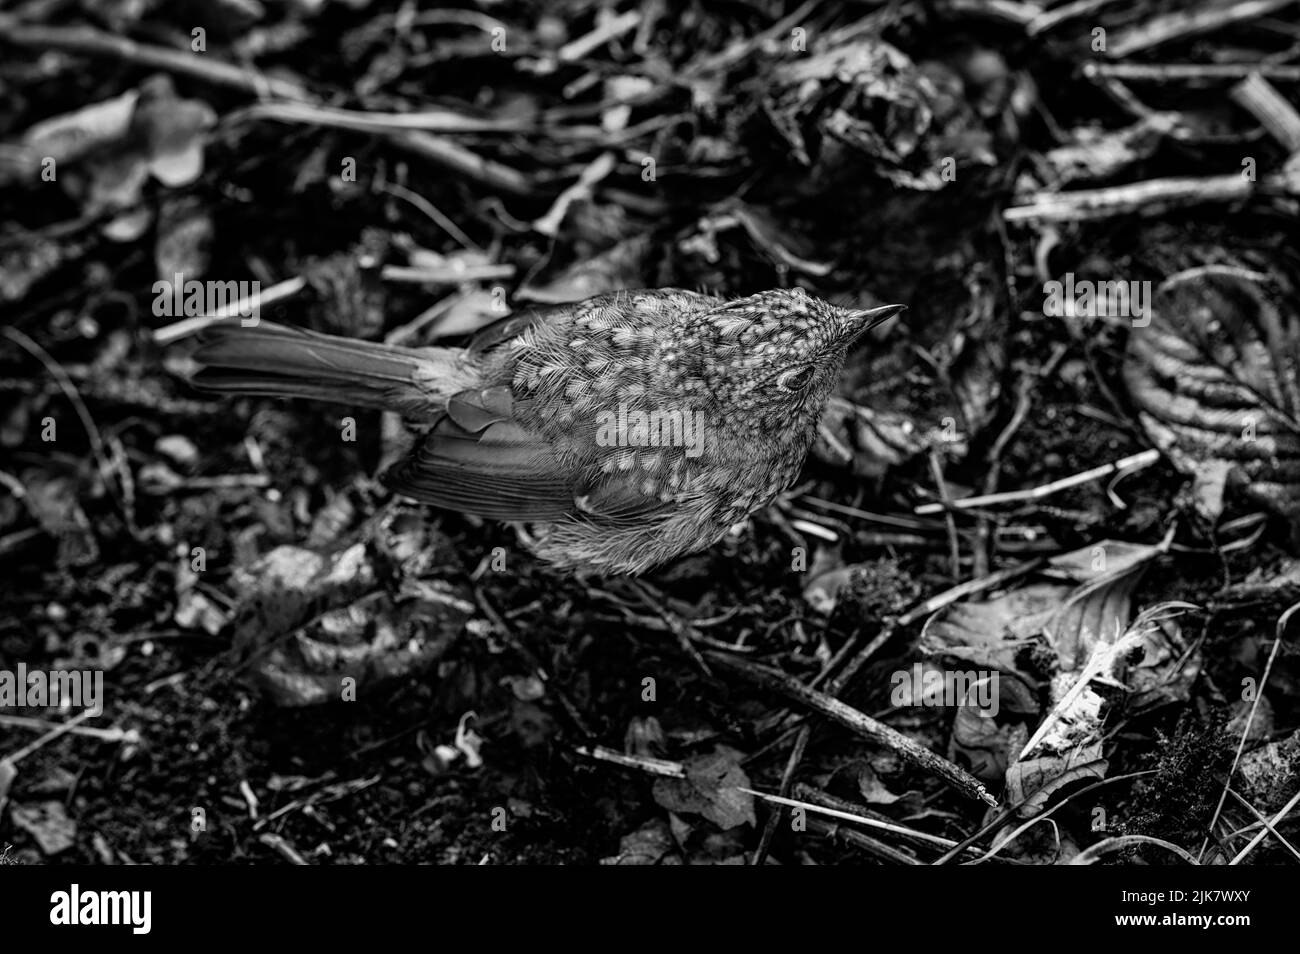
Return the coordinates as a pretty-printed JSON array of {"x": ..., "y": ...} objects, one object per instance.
[
  {"x": 476, "y": 459},
  {"x": 619, "y": 503},
  {"x": 481, "y": 459}
]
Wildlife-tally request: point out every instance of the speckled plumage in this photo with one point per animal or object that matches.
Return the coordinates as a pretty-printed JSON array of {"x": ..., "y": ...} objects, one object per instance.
[{"x": 627, "y": 429}]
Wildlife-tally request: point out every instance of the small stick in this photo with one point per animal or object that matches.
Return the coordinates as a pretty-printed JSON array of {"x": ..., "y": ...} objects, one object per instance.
[
  {"x": 849, "y": 816},
  {"x": 280, "y": 845},
  {"x": 642, "y": 763},
  {"x": 92, "y": 42},
  {"x": 954, "y": 544},
  {"x": 1179, "y": 24},
  {"x": 1261, "y": 98},
  {"x": 242, "y": 308},
  {"x": 1127, "y": 465},
  {"x": 432, "y": 211},
  {"x": 444, "y": 152},
  {"x": 858, "y": 722},
  {"x": 60, "y": 729},
  {"x": 104, "y": 735},
  {"x": 1268, "y": 825},
  {"x": 1167, "y": 72},
  {"x": 858, "y": 840},
  {"x": 1051, "y": 19},
  {"x": 609, "y": 30},
  {"x": 445, "y": 274},
  {"x": 1151, "y": 197},
  {"x": 787, "y": 779},
  {"x": 600, "y": 168}
]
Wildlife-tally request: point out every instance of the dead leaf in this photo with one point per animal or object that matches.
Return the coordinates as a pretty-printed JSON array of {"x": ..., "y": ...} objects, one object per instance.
[
  {"x": 48, "y": 823},
  {"x": 651, "y": 844},
  {"x": 712, "y": 788},
  {"x": 309, "y": 620},
  {"x": 1214, "y": 378}
]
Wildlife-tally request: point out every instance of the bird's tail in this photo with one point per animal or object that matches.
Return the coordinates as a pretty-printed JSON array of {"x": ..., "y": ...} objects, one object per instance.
[{"x": 279, "y": 361}]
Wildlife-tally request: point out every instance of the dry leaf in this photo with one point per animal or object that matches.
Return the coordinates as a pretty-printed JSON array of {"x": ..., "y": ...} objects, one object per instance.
[
  {"x": 1214, "y": 378},
  {"x": 712, "y": 788}
]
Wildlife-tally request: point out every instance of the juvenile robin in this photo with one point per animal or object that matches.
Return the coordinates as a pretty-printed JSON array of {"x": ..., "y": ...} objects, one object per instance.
[{"x": 627, "y": 429}]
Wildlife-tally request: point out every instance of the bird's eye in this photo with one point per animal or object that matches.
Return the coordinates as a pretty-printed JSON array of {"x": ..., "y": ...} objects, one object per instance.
[{"x": 796, "y": 380}]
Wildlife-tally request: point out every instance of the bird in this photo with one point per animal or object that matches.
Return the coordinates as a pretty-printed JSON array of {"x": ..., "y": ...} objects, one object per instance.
[{"x": 623, "y": 430}]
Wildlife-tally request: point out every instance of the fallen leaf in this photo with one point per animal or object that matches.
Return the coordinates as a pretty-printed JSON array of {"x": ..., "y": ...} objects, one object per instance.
[
  {"x": 48, "y": 823},
  {"x": 1214, "y": 378},
  {"x": 712, "y": 788}
]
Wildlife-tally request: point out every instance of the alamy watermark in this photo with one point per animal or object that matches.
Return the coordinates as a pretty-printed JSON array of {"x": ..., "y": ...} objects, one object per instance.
[
  {"x": 42, "y": 688},
  {"x": 192, "y": 299},
  {"x": 75, "y": 906},
  {"x": 665, "y": 427},
  {"x": 1089, "y": 299},
  {"x": 927, "y": 686}
]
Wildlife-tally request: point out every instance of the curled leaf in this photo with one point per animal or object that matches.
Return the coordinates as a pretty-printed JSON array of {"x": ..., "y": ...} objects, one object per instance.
[{"x": 1214, "y": 378}]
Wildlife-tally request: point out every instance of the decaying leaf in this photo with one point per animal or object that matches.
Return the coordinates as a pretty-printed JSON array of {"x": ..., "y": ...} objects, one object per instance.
[
  {"x": 651, "y": 844},
  {"x": 1214, "y": 379},
  {"x": 870, "y": 98},
  {"x": 1034, "y": 780},
  {"x": 1099, "y": 609},
  {"x": 1066, "y": 747},
  {"x": 48, "y": 823},
  {"x": 105, "y": 153},
  {"x": 1096, "y": 154},
  {"x": 316, "y": 625},
  {"x": 712, "y": 788},
  {"x": 1078, "y": 619}
]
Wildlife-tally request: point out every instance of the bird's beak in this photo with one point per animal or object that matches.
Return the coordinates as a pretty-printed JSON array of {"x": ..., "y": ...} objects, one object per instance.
[{"x": 858, "y": 323}]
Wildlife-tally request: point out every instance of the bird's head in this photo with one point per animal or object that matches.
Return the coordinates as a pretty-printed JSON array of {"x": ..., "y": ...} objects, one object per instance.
[{"x": 774, "y": 356}]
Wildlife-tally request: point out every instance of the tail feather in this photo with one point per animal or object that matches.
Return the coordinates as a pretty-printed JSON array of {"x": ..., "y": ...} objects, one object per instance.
[{"x": 278, "y": 361}]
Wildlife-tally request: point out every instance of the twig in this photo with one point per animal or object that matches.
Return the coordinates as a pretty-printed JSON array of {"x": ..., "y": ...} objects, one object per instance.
[
  {"x": 858, "y": 840},
  {"x": 60, "y": 729},
  {"x": 92, "y": 42},
  {"x": 280, "y": 845},
  {"x": 1167, "y": 72},
  {"x": 1051, "y": 19},
  {"x": 507, "y": 634},
  {"x": 954, "y": 544},
  {"x": 787, "y": 779},
  {"x": 70, "y": 391},
  {"x": 849, "y": 816},
  {"x": 858, "y": 722},
  {"x": 1267, "y": 825},
  {"x": 432, "y": 211},
  {"x": 242, "y": 308},
  {"x": 610, "y": 29},
  {"x": 1090, "y": 854},
  {"x": 1127, "y": 465},
  {"x": 676, "y": 625},
  {"x": 641, "y": 763},
  {"x": 1150, "y": 197},
  {"x": 1179, "y": 24},
  {"x": 114, "y": 734},
  {"x": 454, "y": 156},
  {"x": 1258, "y": 96},
  {"x": 600, "y": 168},
  {"x": 445, "y": 274}
]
